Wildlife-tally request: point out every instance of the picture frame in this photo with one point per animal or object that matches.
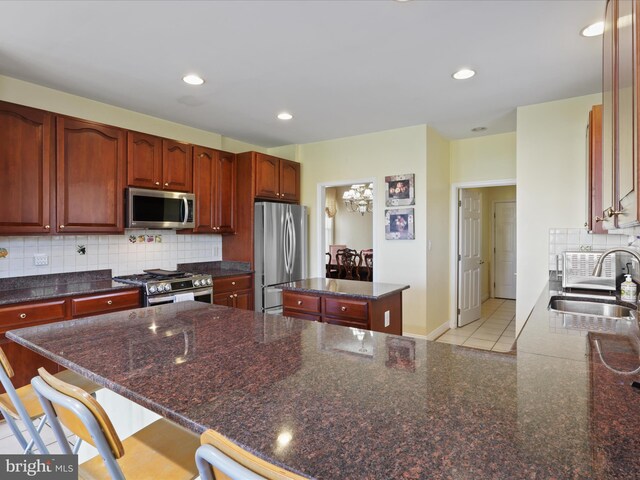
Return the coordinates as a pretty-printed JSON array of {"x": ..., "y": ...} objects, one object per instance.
[
  {"x": 399, "y": 224},
  {"x": 400, "y": 190}
]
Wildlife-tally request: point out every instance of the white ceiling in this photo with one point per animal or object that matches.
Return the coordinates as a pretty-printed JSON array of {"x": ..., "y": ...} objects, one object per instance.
[{"x": 341, "y": 67}]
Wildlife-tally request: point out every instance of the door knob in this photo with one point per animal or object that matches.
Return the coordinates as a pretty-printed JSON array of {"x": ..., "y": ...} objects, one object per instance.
[{"x": 481, "y": 262}]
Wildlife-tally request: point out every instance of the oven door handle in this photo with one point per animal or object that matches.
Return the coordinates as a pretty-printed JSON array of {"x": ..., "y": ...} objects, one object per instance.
[{"x": 172, "y": 298}]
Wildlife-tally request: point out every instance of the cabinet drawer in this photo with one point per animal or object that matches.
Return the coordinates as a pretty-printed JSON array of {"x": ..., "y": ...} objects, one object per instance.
[
  {"x": 304, "y": 316},
  {"x": 298, "y": 301},
  {"x": 355, "y": 309},
  {"x": 343, "y": 322},
  {"x": 19, "y": 316},
  {"x": 108, "y": 302},
  {"x": 231, "y": 284}
]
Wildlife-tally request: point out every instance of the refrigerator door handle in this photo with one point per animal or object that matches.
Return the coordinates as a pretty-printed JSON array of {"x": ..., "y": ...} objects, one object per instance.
[
  {"x": 293, "y": 243},
  {"x": 285, "y": 243},
  {"x": 290, "y": 241}
]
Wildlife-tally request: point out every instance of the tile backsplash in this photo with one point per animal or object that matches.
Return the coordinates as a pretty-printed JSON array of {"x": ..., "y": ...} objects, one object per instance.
[
  {"x": 563, "y": 239},
  {"x": 77, "y": 253}
]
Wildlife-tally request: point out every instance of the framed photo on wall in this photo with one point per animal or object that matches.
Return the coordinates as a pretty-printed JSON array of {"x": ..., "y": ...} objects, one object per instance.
[
  {"x": 399, "y": 224},
  {"x": 399, "y": 190}
]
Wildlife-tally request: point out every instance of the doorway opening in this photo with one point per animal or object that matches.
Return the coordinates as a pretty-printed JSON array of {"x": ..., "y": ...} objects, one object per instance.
[
  {"x": 483, "y": 264},
  {"x": 340, "y": 227}
]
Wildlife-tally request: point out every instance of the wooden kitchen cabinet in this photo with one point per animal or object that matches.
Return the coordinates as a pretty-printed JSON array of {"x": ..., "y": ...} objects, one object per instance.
[
  {"x": 236, "y": 291},
  {"x": 621, "y": 129},
  {"x": 276, "y": 178},
  {"x": 25, "y": 362},
  {"x": 26, "y": 180},
  {"x": 158, "y": 163},
  {"x": 594, "y": 171},
  {"x": 91, "y": 162},
  {"x": 214, "y": 185},
  {"x": 364, "y": 313}
]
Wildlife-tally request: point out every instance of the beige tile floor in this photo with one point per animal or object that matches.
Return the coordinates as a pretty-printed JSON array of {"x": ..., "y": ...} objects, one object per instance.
[{"x": 495, "y": 330}]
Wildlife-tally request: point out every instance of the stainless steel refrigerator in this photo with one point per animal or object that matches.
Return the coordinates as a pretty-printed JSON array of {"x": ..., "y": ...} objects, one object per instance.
[{"x": 280, "y": 251}]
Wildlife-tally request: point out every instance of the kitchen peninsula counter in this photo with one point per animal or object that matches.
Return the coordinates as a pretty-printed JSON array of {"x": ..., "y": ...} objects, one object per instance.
[
  {"x": 360, "y": 404},
  {"x": 344, "y": 288}
]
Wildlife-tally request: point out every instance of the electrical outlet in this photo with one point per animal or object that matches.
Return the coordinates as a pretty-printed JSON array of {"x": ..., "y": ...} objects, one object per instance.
[
  {"x": 387, "y": 319},
  {"x": 40, "y": 259}
]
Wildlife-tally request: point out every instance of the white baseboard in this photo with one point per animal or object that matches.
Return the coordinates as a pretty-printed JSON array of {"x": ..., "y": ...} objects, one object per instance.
[
  {"x": 438, "y": 331},
  {"x": 415, "y": 335}
]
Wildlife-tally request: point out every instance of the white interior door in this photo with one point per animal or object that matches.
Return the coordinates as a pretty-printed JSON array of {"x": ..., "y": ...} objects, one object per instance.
[
  {"x": 469, "y": 256},
  {"x": 505, "y": 250}
]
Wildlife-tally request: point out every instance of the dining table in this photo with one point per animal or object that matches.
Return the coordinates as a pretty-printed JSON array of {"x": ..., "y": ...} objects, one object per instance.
[{"x": 333, "y": 402}]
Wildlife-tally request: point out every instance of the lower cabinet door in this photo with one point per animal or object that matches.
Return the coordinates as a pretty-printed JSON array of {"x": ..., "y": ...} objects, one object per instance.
[
  {"x": 224, "y": 299},
  {"x": 243, "y": 300}
]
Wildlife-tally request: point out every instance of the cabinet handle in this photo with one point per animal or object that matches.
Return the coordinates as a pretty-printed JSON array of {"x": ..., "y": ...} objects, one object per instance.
[
  {"x": 47, "y": 227},
  {"x": 61, "y": 227},
  {"x": 277, "y": 194},
  {"x": 299, "y": 302},
  {"x": 109, "y": 302},
  {"x": 157, "y": 183},
  {"x": 233, "y": 283},
  {"x": 23, "y": 315},
  {"x": 166, "y": 184},
  {"x": 235, "y": 295},
  {"x": 610, "y": 212},
  {"x": 344, "y": 309},
  {"x": 230, "y": 296},
  {"x": 597, "y": 219}
]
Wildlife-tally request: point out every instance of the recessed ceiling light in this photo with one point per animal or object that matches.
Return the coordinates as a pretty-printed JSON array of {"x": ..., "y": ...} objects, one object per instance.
[
  {"x": 463, "y": 74},
  {"x": 192, "y": 79},
  {"x": 478, "y": 129},
  {"x": 593, "y": 30},
  {"x": 285, "y": 116}
]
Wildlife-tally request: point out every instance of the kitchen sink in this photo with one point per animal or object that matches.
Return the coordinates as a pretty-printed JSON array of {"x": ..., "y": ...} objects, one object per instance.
[{"x": 590, "y": 308}]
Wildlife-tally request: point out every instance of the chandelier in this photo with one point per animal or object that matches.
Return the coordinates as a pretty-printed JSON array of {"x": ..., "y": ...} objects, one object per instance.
[{"x": 359, "y": 198}]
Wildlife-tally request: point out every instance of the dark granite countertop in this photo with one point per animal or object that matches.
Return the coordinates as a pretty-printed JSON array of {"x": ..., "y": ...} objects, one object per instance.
[
  {"x": 366, "y": 405},
  {"x": 217, "y": 269},
  {"x": 344, "y": 288},
  {"x": 43, "y": 287}
]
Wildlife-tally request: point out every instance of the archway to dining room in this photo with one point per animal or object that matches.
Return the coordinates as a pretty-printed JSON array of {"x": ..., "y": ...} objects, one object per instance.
[{"x": 345, "y": 229}]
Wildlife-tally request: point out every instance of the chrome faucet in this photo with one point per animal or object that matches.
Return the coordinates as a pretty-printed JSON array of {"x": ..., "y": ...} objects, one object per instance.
[{"x": 597, "y": 271}]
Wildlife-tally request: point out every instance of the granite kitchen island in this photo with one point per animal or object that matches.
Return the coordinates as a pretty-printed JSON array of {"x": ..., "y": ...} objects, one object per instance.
[{"x": 331, "y": 402}]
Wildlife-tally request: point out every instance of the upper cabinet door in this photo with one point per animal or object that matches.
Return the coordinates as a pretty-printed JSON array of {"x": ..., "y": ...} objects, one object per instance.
[
  {"x": 289, "y": 181},
  {"x": 26, "y": 156},
  {"x": 90, "y": 176},
  {"x": 608, "y": 115},
  {"x": 204, "y": 173},
  {"x": 225, "y": 192},
  {"x": 594, "y": 171},
  {"x": 176, "y": 166},
  {"x": 625, "y": 104},
  {"x": 144, "y": 160},
  {"x": 267, "y": 176}
]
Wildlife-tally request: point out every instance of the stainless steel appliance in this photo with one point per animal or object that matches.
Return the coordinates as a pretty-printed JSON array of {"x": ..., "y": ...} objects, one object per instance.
[
  {"x": 159, "y": 209},
  {"x": 280, "y": 251},
  {"x": 167, "y": 286}
]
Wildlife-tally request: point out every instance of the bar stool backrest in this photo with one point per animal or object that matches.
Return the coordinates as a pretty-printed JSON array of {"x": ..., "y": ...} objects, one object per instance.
[
  {"x": 229, "y": 461},
  {"x": 6, "y": 366},
  {"x": 68, "y": 412}
]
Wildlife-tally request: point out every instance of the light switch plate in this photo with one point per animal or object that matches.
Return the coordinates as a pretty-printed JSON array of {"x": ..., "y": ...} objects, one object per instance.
[{"x": 40, "y": 259}]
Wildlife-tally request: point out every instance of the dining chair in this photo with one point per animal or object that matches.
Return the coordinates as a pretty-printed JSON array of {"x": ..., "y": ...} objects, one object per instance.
[
  {"x": 348, "y": 264},
  {"x": 22, "y": 404},
  {"x": 367, "y": 263},
  {"x": 158, "y": 451},
  {"x": 220, "y": 459},
  {"x": 331, "y": 268}
]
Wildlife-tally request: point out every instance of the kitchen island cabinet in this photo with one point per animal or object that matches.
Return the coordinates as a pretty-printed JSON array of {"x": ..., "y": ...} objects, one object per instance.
[{"x": 366, "y": 305}]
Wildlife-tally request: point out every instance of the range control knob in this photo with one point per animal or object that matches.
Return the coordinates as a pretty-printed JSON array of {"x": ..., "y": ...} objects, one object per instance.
[
  {"x": 209, "y": 282},
  {"x": 153, "y": 289},
  {"x": 196, "y": 283},
  {"x": 167, "y": 287}
]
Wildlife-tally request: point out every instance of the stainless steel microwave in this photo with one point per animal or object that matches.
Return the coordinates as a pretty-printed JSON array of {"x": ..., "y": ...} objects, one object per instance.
[{"x": 160, "y": 209}]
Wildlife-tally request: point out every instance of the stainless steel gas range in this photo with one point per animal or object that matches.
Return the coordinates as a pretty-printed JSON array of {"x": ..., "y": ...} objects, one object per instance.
[{"x": 168, "y": 286}]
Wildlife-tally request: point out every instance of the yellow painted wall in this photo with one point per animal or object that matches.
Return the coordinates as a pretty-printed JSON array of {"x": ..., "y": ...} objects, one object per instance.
[
  {"x": 351, "y": 229},
  {"x": 551, "y": 168},
  {"x": 377, "y": 155},
  {"x": 438, "y": 246},
  {"x": 492, "y": 157},
  {"x": 32, "y": 95}
]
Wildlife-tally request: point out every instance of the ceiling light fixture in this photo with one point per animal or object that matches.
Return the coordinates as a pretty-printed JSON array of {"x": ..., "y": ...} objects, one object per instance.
[
  {"x": 463, "y": 74},
  {"x": 593, "y": 30},
  {"x": 285, "y": 116},
  {"x": 478, "y": 129},
  {"x": 192, "y": 79},
  {"x": 359, "y": 198}
]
